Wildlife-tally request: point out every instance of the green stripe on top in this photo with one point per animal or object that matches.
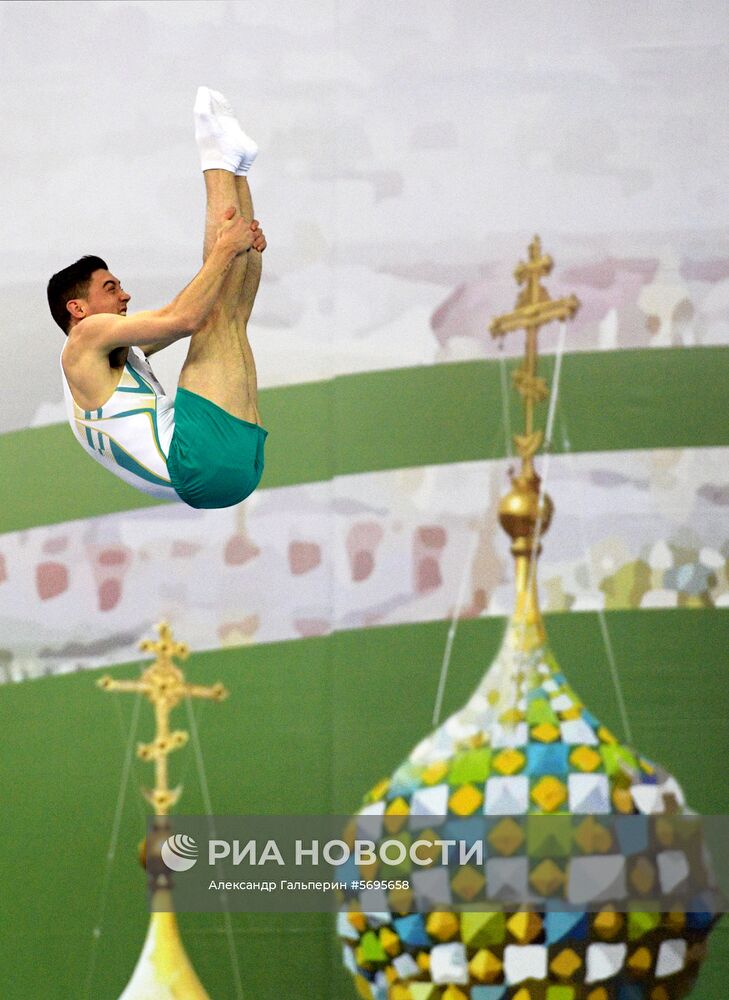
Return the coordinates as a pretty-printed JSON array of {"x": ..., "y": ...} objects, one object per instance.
[
  {"x": 432, "y": 415},
  {"x": 89, "y": 438},
  {"x": 142, "y": 386},
  {"x": 128, "y": 462}
]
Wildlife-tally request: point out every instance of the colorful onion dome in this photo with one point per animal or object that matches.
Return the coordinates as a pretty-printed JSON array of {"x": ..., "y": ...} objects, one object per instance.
[{"x": 524, "y": 746}]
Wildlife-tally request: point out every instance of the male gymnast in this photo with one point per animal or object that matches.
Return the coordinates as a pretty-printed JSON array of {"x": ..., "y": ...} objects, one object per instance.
[{"x": 205, "y": 446}]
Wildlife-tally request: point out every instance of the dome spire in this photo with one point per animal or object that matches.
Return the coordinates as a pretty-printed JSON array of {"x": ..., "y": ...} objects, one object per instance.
[
  {"x": 164, "y": 970},
  {"x": 540, "y": 914},
  {"x": 526, "y": 511}
]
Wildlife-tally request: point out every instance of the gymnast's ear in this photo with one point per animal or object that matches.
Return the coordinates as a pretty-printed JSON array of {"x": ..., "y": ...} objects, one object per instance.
[{"x": 76, "y": 308}]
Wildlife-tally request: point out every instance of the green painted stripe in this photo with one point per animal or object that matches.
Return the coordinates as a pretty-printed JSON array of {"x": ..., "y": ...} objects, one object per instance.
[
  {"x": 397, "y": 419},
  {"x": 309, "y": 727}
]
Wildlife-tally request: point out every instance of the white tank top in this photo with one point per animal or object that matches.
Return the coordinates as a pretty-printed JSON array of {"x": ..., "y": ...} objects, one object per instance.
[{"x": 131, "y": 433}]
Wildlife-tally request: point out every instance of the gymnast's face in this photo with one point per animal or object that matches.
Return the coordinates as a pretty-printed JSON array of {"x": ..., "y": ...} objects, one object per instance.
[{"x": 105, "y": 295}]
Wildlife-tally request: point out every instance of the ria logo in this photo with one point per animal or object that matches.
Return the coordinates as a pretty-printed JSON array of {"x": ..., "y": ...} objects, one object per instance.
[{"x": 179, "y": 852}]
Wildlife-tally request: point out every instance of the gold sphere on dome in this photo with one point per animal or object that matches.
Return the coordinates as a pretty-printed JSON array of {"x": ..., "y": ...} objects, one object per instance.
[{"x": 523, "y": 508}]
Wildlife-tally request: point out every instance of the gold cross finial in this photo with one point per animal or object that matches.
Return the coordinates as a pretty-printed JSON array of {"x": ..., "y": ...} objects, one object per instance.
[
  {"x": 534, "y": 308},
  {"x": 164, "y": 684},
  {"x": 525, "y": 511}
]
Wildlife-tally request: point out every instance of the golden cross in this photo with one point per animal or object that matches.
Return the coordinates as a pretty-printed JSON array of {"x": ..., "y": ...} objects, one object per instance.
[
  {"x": 165, "y": 686},
  {"x": 534, "y": 308}
]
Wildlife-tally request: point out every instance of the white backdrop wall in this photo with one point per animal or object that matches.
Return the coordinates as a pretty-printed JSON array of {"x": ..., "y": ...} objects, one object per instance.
[{"x": 404, "y": 146}]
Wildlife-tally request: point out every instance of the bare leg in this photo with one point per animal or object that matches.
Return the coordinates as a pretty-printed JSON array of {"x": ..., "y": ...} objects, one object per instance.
[
  {"x": 252, "y": 278},
  {"x": 248, "y": 290},
  {"x": 217, "y": 366}
]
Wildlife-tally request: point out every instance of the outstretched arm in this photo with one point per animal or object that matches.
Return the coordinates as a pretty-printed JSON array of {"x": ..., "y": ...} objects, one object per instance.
[{"x": 155, "y": 329}]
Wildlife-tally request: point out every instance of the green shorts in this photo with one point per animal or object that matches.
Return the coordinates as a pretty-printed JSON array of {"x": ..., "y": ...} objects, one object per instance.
[{"x": 215, "y": 459}]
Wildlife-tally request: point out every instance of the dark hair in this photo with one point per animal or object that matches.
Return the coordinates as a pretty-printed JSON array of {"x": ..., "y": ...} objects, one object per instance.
[{"x": 71, "y": 283}]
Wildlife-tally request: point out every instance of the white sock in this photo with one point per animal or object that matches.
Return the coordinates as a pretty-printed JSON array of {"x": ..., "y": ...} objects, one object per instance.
[
  {"x": 225, "y": 114},
  {"x": 222, "y": 143}
]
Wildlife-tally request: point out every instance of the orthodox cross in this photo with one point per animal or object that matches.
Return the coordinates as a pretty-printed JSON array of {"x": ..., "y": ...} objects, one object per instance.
[
  {"x": 534, "y": 308},
  {"x": 164, "y": 684},
  {"x": 526, "y": 510}
]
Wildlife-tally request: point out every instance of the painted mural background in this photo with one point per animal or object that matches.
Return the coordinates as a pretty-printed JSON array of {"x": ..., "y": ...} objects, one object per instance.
[{"x": 409, "y": 152}]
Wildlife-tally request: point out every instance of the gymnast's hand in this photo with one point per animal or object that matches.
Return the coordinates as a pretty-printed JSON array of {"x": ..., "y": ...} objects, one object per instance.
[
  {"x": 234, "y": 233},
  {"x": 259, "y": 240}
]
